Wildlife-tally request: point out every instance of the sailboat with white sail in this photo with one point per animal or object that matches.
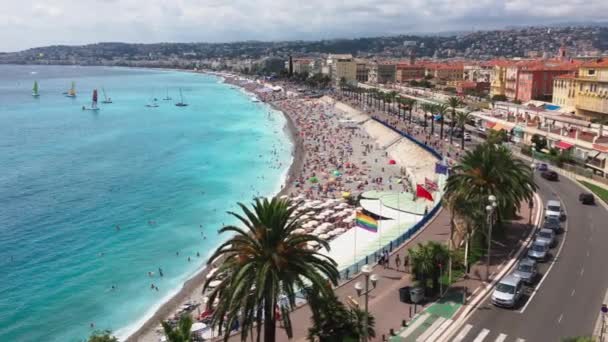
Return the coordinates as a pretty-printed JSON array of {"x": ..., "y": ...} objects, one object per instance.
[
  {"x": 106, "y": 99},
  {"x": 72, "y": 91},
  {"x": 181, "y": 103},
  {"x": 93, "y": 102},
  {"x": 35, "y": 92}
]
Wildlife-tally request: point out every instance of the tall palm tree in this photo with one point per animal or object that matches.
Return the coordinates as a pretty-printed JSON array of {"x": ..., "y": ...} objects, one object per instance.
[
  {"x": 427, "y": 108},
  {"x": 181, "y": 333},
  {"x": 491, "y": 170},
  {"x": 427, "y": 260},
  {"x": 263, "y": 261},
  {"x": 461, "y": 119},
  {"x": 441, "y": 109},
  {"x": 453, "y": 102},
  {"x": 411, "y": 105}
]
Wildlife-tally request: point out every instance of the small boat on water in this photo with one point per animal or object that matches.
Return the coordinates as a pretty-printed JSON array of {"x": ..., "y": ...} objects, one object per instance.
[
  {"x": 93, "y": 103},
  {"x": 181, "y": 103},
  {"x": 167, "y": 98},
  {"x": 254, "y": 99},
  {"x": 106, "y": 99},
  {"x": 72, "y": 91},
  {"x": 35, "y": 92}
]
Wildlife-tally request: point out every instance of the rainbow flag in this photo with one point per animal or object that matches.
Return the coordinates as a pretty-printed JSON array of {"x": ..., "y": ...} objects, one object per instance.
[{"x": 366, "y": 222}]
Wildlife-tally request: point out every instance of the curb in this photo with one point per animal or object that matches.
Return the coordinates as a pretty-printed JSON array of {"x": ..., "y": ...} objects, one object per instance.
[{"x": 467, "y": 310}]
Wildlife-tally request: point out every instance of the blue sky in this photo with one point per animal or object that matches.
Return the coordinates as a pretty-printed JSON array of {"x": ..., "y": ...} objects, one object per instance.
[{"x": 30, "y": 23}]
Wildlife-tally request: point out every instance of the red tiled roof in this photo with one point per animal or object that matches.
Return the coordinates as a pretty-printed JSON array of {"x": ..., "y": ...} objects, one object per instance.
[
  {"x": 598, "y": 63},
  {"x": 566, "y": 76}
]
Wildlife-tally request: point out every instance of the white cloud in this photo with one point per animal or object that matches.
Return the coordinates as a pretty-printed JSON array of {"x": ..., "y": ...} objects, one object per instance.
[{"x": 29, "y": 23}]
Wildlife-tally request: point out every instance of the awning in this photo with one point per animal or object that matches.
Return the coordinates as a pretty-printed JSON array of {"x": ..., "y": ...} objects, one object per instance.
[
  {"x": 499, "y": 127},
  {"x": 562, "y": 145},
  {"x": 490, "y": 124}
]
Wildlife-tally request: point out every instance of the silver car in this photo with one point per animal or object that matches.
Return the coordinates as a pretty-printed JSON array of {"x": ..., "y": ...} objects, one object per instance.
[
  {"x": 548, "y": 236},
  {"x": 526, "y": 270},
  {"x": 539, "y": 250},
  {"x": 508, "y": 291}
]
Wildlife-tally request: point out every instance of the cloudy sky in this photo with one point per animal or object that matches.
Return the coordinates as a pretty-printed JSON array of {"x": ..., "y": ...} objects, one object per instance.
[{"x": 30, "y": 23}]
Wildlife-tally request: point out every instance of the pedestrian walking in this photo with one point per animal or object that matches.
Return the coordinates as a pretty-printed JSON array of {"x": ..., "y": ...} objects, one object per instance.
[
  {"x": 406, "y": 261},
  {"x": 386, "y": 260},
  {"x": 397, "y": 261}
]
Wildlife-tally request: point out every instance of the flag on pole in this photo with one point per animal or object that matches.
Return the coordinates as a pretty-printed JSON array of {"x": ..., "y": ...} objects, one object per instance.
[
  {"x": 422, "y": 192},
  {"x": 430, "y": 185},
  {"x": 441, "y": 169},
  {"x": 366, "y": 222}
]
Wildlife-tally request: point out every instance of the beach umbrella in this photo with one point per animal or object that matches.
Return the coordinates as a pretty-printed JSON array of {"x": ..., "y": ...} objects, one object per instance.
[
  {"x": 215, "y": 283},
  {"x": 211, "y": 272},
  {"x": 392, "y": 162},
  {"x": 313, "y": 179},
  {"x": 299, "y": 231},
  {"x": 284, "y": 197},
  {"x": 345, "y": 194},
  {"x": 198, "y": 326},
  {"x": 313, "y": 243},
  {"x": 324, "y": 236},
  {"x": 336, "y": 173}
]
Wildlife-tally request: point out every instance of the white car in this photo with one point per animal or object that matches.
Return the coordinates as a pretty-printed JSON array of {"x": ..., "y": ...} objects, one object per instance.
[
  {"x": 554, "y": 209},
  {"x": 467, "y": 137}
]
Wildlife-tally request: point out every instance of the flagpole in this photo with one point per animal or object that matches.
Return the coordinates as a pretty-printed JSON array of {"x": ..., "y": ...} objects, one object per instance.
[{"x": 355, "y": 249}]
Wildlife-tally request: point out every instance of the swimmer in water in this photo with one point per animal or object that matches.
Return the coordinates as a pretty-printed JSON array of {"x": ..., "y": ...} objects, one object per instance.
[{"x": 160, "y": 271}]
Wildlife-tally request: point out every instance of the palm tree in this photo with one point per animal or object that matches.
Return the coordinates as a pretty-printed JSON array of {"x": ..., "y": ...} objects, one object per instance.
[
  {"x": 334, "y": 321},
  {"x": 181, "y": 333},
  {"x": 491, "y": 170},
  {"x": 462, "y": 118},
  {"x": 427, "y": 261},
  {"x": 262, "y": 262},
  {"x": 411, "y": 105},
  {"x": 453, "y": 102},
  {"x": 427, "y": 108},
  {"x": 102, "y": 336},
  {"x": 441, "y": 109}
]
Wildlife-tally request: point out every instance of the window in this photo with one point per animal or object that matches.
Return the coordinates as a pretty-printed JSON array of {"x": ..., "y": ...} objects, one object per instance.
[{"x": 591, "y": 72}]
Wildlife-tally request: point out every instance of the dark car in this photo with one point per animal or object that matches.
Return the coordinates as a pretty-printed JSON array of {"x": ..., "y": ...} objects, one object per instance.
[
  {"x": 542, "y": 167},
  {"x": 586, "y": 198},
  {"x": 550, "y": 175},
  {"x": 553, "y": 223}
]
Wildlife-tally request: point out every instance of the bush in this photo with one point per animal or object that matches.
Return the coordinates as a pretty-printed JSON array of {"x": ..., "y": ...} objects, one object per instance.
[
  {"x": 526, "y": 151},
  {"x": 499, "y": 98}
]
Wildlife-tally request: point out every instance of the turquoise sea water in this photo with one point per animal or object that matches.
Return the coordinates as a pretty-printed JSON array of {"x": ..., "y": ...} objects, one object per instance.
[{"x": 68, "y": 177}]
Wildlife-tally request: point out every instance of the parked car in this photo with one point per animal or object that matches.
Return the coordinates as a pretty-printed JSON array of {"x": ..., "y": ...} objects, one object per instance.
[
  {"x": 554, "y": 209},
  {"x": 526, "y": 270},
  {"x": 547, "y": 235},
  {"x": 550, "y": 175},
  {"x": 467, "y": 137},
  {"x": 586, "y": 198},
  {"x": 508, "y": 291},
  {"x": 542, "y": 167},
  {"x": 539, "y": 251},
  {"x": 553, "y": 223}
]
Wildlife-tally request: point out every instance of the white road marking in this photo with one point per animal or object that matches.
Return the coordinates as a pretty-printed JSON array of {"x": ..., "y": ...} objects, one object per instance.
[
  {"x": 559, "y": 320},
  {"x": 587, "y": 253},
  {"x": 501, "y": 338},
  {"x": 482, "y": 335},
  {"x": 520, "y": 340},
  {"x": 573, "y": 292},
  {"x": 582, "y": 271},
  {"x": 439, "y": 331},
  {"x": 561, "y": 246},
  {"x": 430, "y": 330},
  {"x": 415, "y": 325},
  {"x": 461, "y": 335}
]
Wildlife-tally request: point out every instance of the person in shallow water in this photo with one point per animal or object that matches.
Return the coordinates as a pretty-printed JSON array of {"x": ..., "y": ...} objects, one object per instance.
[{"x": 160, "y": 271}]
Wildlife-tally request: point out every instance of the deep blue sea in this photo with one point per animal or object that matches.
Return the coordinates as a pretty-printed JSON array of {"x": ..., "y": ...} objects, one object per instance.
[{"x": 69, "y": 177}]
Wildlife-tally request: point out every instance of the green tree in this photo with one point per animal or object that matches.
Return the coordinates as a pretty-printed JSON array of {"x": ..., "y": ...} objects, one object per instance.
[
  {"x": 427, "y": 261},
  {"x": 539, "y": 142},
  {"x": 427, "y": 108},
  {"x": 262, "y": 262},
  {"x": 579, "y": 339},
  {"x": 102, "y": 336},
  {"x": 411, "y": 103},
  {"x": 496, "y": 136},
  {"x": 334, "y": 321},
  {"x": 441, "y": 110},
  {"x": 181, "y": 332},
  {"x": 498, "y": 98},
  {"x": 491, "y": 170},
  {"x": 461, "y": 120},
  {"x": 453, "y": 102}
]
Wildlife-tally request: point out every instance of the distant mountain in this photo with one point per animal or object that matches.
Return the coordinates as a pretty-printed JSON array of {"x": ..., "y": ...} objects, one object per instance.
[{"x": 514, "y": 42}]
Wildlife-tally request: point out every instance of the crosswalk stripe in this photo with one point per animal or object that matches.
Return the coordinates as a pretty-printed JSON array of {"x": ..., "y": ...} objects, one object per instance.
[
  {"x": 430, "y": 330},
  {"x": 439, "y": 330},
  {"x": 415, "y": 325},
  {"x": 463, "y": 333},
  {"x": 501, "y": 338},
  {"x": 482, "y": 335},
  {"x": 520, "y": 340}
]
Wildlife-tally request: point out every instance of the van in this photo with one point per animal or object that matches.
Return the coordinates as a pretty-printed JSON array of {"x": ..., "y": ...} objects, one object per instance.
[
  {"x": 554, "y": 209},
  {"x": 508, "y": 291}
]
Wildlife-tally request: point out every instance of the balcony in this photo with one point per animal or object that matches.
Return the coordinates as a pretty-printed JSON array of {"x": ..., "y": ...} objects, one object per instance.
[
  {"x": 596, "y": 162},
  {"x": 591, "y": 102}
]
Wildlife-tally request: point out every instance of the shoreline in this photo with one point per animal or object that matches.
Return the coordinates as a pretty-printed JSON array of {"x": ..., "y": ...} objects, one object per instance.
[{"x": 195, "y": 283}]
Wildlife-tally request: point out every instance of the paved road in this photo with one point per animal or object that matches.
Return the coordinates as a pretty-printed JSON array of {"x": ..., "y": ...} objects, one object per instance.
[{"x": 567, "y": 302}]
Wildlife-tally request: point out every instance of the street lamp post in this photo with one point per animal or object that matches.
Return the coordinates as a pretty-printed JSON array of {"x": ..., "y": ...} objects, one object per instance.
[
  {"x": 531, "y": 204},
  {"x": 365, "y": 290},
  {"x": 490, "y": 208}
]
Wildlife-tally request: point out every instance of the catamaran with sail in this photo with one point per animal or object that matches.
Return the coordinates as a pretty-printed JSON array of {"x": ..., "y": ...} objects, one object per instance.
[
  {"x": 72, "y": 91},
  {"x": 35, "y": 92},
  {"x": 181, "y": 103},
  {"x": 106, "y": 99},
  {"x": 93, "y": 102}
]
